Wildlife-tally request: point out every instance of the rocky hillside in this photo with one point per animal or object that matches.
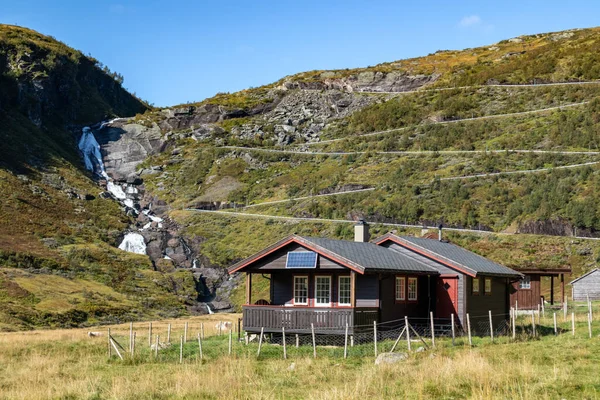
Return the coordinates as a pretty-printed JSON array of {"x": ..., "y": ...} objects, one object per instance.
[
  {"x": 59, "y": 228},
  {"x": 502, "y": 139}
]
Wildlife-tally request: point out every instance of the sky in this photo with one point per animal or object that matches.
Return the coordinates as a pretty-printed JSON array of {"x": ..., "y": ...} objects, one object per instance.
[{"x": 172, "y": 52}]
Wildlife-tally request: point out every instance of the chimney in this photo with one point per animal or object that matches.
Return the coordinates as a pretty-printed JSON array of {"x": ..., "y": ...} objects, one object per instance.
[
  {"x": 361, "y": 231},
  {"x": 440, "y": 232}
]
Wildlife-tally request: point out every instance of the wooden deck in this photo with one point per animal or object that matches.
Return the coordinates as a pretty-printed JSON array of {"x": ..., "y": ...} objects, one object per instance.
[{"x": 299, "y": 319}]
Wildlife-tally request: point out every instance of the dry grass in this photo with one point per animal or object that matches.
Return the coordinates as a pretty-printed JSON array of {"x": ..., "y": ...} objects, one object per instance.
[{"x": 67, "y": 364}]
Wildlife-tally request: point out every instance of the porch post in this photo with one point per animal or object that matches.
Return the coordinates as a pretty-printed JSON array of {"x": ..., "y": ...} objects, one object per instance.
[
  {"x": 552, "y": 289},
  {"x": 352, "y": 289},
  {"x": 562, "y": 288},
  {"x": 248, "y": 288}
]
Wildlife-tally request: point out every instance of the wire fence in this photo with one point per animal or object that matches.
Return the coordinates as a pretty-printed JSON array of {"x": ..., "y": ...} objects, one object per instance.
[{"x": 186, "y": 341}]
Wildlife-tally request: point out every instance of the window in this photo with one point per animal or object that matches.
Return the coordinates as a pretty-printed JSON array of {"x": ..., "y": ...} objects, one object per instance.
[
  {"x": 412, "y": 289},
  {"x": 323, "y": 290},
  {"x": 400, "y": 283},
  {"x": 344, "y": 291},
  {"x": 525, "y": 283},
  {"x": 488, "y": 286},
  {"x": 301, "y": 290},
  {"x": 476, "y": 289}
]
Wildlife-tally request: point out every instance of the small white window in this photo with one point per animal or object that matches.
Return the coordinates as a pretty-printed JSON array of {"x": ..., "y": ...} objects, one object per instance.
[
  {"x": 344, "y": 291},
  {"x": 488, "y": 286},
  {"x": 525, "y": 283},
  {"x": 400, "y": 285},
  {"x": 323, "y": 291},
  {"x": 301, "y": 290},
  {"x": 412, "y": 289}
]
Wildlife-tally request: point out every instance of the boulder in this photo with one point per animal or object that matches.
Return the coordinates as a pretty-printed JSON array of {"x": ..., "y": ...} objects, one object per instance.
[{"x": 390, "y": 358}]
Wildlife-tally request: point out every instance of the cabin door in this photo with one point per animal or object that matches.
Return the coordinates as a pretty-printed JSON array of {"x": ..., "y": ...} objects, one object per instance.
[{"x": 447, "y": 297}]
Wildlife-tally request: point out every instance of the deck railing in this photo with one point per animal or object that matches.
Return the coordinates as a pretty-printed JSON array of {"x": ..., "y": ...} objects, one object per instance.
[{"x": 298, "y": 319}]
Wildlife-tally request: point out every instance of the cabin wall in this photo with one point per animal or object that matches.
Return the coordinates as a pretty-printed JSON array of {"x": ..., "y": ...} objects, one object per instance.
[
  {"x": 587, "y": 286},
  {"x": 367, "y": 290},
  {"x": 526, "y": 299},
  {"x": 283, "y": 286},
  {"x": 390, "y": 310},
  {"x": 443, "y": 270},
  {"x": 478, "y": 306}
]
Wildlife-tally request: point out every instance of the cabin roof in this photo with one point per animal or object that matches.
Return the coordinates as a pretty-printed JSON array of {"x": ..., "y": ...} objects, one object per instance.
[
  {"x": 358, "y": 256},
  {"x": 371, "y": 256},
  {"x": 583, "y": 276},
  {"x": 451, "y": 255}
]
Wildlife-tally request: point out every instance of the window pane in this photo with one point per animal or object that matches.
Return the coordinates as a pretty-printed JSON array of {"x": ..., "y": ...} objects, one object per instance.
[
  {"x": 412, "y": 288},
  {"x": 488, "y": 285},
  {"x": 525, "y": 283},
  {"x": 300, "y": 290},
  {"x": 400, "y": 288},
  {"x": 323, "y": 289},
  {"x": 344, "y": 290},
  {"x": 475, "y": 285}
]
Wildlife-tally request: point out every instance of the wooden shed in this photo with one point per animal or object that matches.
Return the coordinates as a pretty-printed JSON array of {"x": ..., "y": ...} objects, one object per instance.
[
  {"x": 587, "y": 286},
  {"x": 526, "y": 294}
]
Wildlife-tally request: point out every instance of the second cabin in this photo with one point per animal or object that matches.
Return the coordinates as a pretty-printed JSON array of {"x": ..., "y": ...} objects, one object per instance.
[{"x": 330, "y": 283}]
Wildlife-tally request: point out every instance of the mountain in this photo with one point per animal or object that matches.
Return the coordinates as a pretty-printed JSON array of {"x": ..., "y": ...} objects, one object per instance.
[{"x": 419, "y": 142}]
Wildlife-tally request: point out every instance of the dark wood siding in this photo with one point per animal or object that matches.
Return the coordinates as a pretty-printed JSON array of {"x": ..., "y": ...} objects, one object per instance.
[
  {"x": 587, "y": 286},
  {"x": 443, "y": 270},
  {"x": 367, "y": 290},
  {"x": 526, "y": 299},
  {"x": 478, "y": 306},
  {"x": 390, "y": 310},
  {"x": 283, "y": 288}
]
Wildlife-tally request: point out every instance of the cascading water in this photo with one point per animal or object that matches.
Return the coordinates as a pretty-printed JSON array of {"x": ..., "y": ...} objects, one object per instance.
[
  {"x": 133, "y": 243},
  {"x": 92, "y": 156},
  {"x": 208, "y": 309}
]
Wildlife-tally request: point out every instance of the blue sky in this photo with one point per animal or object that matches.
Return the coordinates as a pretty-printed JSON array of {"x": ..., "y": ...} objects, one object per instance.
[{"x": 171, "y": 52}]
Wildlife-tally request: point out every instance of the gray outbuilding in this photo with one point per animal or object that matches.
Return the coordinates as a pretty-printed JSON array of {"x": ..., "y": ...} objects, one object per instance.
[{"x": 587, "y": 286}]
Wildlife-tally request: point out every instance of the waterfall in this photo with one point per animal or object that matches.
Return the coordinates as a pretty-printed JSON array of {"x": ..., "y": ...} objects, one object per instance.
[
  {"x": 91, "y": 152},
  {"x": 208, "y": 309},
  {"x": 133, "y": 243}
]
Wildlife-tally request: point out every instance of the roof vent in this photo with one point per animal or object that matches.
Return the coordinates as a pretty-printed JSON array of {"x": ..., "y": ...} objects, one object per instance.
[{"x": 361, "y": 231}]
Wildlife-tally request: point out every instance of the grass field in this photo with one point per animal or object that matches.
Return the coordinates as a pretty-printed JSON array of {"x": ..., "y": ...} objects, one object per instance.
[{"x": 67, "y": 364}]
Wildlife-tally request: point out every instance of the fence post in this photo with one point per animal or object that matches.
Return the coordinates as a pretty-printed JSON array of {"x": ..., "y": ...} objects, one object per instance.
[
  {"x": 533, "y": 322},
  {"x": 230, "y": 340},
  {"x": 452, "y": 322},
  {"x": 543, "y": 310},
  {"x": 573, "y": 323},
  {"x": 346, "y": 342},
  {"x": 169, "y": 333},
  {"x": 407, "y": 332},
  {"x": 351, "y": 340},
  {"x": 284, "y": 345},
  {"x": 491, "y": 326},
  {"x": 297, "y": 341},
  {"x": 133, "y": 345},
  {"x": 590, "y": 324},
  {"x": 260, "y": 339},
  {"x": 181, "y": 350},
  {"x": 514, "y": 324},
  {"x": 156, "y": 347},
  {"x": 589, "y": 306},
  {"x": 200, "y": 346},
  {"x": 469, "y": 329},
  {"x": 109, "y": 345},
  {"x": 130, "y": 336},
  {"x": 150, "y": 334},
  {"x": 555, "y": 328},
  {"x": 432, "y": 329},
  {"x": 375, "y": 336},
  {"x": 185, "y": 329},
  {"x": 312, "y": 331},
  {"x": 539, "y": 315}
]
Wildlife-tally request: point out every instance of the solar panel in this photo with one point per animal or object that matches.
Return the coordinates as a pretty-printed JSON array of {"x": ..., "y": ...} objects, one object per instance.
[{"x": 301, "y": 259}]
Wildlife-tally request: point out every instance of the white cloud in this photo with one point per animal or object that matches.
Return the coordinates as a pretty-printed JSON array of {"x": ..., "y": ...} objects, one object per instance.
[{"x": 471, "y": 20}]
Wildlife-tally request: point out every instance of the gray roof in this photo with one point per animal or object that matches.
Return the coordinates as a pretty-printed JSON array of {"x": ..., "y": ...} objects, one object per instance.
[
  {"x": 371, "y": 256},
  {"x": 583, "y": 276},
  {"x": 460, "y": 257}
]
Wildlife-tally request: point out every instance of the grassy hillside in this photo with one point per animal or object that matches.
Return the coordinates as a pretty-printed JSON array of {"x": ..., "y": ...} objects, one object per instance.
[{"x": 58, "y": 262}]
